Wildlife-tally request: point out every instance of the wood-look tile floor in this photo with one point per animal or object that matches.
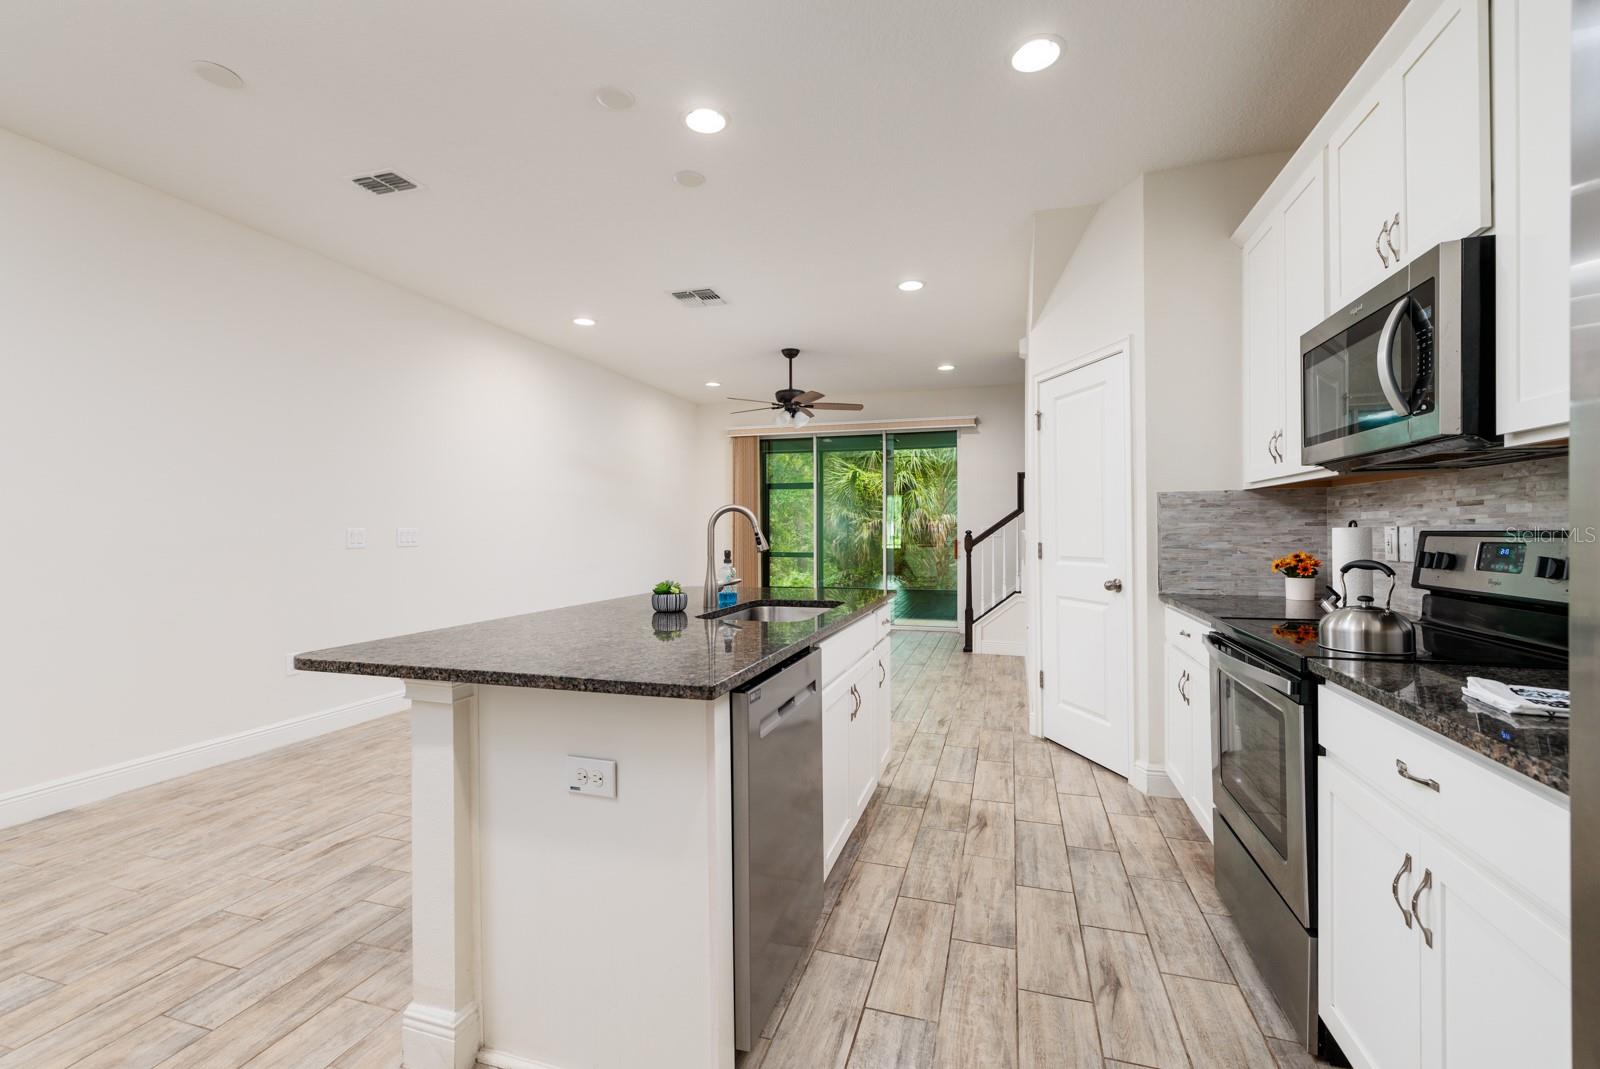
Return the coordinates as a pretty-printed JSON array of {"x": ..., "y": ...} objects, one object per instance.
[{"x": 1006, "y": 904}]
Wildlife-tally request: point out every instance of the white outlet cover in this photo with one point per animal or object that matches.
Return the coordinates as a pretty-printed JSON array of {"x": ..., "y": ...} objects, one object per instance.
[
  {"x": 1408, "y": 543},
  {"x": 355, "y": 538},
  {"x": 1391, "y": 543},
  {"x": 594, "y": 776},
  {"x": 288, "y": 665},
  {"x": 407, "y": 537}
]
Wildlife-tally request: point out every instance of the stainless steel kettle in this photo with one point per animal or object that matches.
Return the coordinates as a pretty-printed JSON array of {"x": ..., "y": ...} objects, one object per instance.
[{"x": 1363, "y": 627}]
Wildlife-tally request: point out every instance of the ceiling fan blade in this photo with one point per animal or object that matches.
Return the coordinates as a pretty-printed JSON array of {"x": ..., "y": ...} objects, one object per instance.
[
  {"x": 742, "y": 411},
  {"x": 808, "y": 397},
  {"x": 752, "y": 400},
  {"x": 838, "y": 406}
]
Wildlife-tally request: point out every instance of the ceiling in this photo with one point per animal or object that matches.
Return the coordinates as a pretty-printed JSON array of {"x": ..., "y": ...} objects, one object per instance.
[{"x": 868, "y": 142}]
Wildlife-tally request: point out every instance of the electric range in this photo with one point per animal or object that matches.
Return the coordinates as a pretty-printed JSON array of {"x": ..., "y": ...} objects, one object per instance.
[{"x": 1493, "y": 598}]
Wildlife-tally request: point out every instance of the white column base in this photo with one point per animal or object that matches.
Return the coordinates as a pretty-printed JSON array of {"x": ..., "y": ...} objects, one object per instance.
[
  {"x": 1152, "y": 779},
  {"x": 432, "y": 1038}
]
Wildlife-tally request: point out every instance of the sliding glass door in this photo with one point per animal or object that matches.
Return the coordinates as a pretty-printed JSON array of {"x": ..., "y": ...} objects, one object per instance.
[{"x": 835, "y": 521}]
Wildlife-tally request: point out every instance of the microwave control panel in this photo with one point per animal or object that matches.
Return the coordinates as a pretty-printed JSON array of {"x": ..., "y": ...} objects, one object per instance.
[{"x": 1529, "y": 565}]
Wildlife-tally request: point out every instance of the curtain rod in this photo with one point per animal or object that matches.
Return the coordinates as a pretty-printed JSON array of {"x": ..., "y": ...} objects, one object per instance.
[{"x": 816, "y": 427}]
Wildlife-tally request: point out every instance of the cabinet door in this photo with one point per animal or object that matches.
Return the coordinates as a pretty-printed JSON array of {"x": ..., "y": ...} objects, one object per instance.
[
  {"x": 1365, "y": 192},
  {"x": 866, "y": 751},
  {"x": 1305, "y": 298},
  {"x": 1180, "y": 739},
  {"x": 838, "y": 815},
  {"x": 1198, "y": 687},
  {"x": 1497, "y": 981},
  {"x": 1443, "y": 85},
  {"x": 1532, "y": 213},
  {"x": 885, "y": 707},
  {"x": 1368, "y": 959},
  {"x": 1263, "y": 363}
]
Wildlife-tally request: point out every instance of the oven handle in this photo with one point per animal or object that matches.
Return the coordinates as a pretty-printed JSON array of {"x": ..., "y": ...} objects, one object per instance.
[
  {"x": 1239, "y": 665},
  {"x": 1386, "y": 376}
]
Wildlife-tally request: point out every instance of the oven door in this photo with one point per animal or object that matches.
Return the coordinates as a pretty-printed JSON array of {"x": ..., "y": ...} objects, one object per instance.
[
  {"x": 1259, "y": 730},
  {"x": 1368, "y": 376}
]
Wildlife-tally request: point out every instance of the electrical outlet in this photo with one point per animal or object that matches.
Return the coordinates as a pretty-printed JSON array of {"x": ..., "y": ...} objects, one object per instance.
[
  {"x": 1408, "y": 544},
  {"x": 591, "y": 775},
  {"x": 1391, "y": 542},
  {"x": 407, "y": 537},
  {"x": 355, "y": 538},
  {"x": 288, "y": 665}
]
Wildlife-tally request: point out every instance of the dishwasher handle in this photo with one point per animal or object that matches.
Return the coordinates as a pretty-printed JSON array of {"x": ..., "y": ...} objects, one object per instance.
[{"x": 770, "y": 723}]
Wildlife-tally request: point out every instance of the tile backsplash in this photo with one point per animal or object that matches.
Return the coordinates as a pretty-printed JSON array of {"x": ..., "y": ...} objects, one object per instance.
[{"x": 1222, "y": 541}]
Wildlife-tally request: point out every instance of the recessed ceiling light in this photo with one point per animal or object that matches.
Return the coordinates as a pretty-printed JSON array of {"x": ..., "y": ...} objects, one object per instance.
[
  {"x": 613, "y": 99},
  {"x": 910, "y": 285},
  {"x": 713, "y": 385},
  {"x": 583, "y": 321},
  {"x": 217, "y": 74},
  {"x": 947, "y": 367},
  {"x": 689, "y": 179},
  {"x": 1037, "y": 53},
  {"x": 705, "y": 121}
]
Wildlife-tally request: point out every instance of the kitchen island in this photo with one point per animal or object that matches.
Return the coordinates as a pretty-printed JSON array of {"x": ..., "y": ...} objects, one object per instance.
[{"x": 557, "y": 929}]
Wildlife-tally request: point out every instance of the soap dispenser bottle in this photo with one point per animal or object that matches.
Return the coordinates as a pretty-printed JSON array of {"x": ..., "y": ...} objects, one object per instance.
[{"x": 727, "y": 579}]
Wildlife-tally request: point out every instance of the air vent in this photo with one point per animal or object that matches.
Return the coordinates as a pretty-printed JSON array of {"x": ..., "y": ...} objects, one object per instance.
[
  {"x": 696, "y": 298},
  {"x": 384, "y": 182}
]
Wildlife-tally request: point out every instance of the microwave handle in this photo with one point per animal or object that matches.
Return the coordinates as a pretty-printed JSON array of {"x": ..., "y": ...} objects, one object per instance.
[{"x": 1386, "y": 377}]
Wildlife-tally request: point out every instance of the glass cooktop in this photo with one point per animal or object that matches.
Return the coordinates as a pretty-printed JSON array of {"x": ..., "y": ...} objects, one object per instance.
[{"x": 1297, "y": 639}]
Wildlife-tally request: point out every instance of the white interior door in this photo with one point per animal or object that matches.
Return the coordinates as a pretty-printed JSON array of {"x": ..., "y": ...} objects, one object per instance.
[{"x": 1085, "y": 527}]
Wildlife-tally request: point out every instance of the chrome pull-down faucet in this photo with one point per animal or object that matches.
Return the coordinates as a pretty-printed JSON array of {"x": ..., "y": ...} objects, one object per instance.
[{"x": 711, "y": 546}]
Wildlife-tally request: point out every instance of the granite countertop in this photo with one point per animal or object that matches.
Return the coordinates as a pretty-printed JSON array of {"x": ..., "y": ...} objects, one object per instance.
[
  {"x": 1428, "y": 695},
  {"x": 608, "y": 647}
]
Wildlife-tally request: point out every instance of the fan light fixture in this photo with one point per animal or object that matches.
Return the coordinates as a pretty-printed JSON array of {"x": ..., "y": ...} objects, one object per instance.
[
  {"x": 705, "y": 121},
  {"x": 1037, "y": 53},
  {"x": 792, "y": 419}
]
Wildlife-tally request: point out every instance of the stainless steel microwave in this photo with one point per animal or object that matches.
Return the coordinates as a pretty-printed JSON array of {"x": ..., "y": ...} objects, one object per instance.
[{"x": 1403, "y": 378}]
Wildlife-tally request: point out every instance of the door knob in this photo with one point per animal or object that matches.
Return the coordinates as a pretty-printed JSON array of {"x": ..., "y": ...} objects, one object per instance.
[{"x": 1113, "y": 585}]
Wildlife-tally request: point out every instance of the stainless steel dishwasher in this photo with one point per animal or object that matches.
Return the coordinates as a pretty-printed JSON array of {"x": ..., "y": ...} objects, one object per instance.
[{"x": 777, "y": 835}]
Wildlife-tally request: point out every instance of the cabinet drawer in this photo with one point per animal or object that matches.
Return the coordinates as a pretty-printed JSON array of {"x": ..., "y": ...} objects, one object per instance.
[
  {"x": 1188, "y": 634},
  {"x": 841, "y": 651},
  {"x": 1520, "y": 831}
]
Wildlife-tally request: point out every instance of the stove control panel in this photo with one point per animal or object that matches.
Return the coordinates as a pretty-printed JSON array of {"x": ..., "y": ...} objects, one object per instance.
[{"x": 1525, "y": 565}]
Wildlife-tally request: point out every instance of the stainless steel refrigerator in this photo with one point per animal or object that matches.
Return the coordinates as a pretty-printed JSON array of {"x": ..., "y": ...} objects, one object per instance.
[{"x": 1585, "y": 523}]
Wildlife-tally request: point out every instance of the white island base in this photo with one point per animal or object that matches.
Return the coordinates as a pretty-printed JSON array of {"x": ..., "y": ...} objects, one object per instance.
[{"x": 562, "y": 931}]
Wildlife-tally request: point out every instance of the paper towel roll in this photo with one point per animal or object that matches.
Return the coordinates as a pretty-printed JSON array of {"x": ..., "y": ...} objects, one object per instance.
[{"x": 1351, "y": 543}]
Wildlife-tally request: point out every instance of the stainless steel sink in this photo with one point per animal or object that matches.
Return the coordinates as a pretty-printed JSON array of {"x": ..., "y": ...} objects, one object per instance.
[{"x": 775, "y": 614}]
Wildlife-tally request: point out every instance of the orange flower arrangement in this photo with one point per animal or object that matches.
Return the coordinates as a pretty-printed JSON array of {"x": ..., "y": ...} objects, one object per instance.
[{"x": 1297, "y": 565}]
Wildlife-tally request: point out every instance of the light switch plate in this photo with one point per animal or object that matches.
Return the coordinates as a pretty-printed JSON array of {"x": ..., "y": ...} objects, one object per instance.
[
  {"x": 407, "y": 537},
  {"x": 1391, "y": 542},
  {"x": 591, "y": 775},
  {"x": 355, "y": 538}
]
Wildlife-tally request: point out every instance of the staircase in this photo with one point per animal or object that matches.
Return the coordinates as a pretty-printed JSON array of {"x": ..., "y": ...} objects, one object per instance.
[{"x": 994, "y": 566}]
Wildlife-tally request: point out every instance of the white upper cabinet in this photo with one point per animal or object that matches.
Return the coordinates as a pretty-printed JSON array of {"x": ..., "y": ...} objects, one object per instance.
[
  {"x": 1263, "y": 352},
  {"x": 1533, "y": 217},
  {"x": 1409, "y": 168},
  {"x": 1367, "y": 190},
  {"x": 1305, "y": 297}
]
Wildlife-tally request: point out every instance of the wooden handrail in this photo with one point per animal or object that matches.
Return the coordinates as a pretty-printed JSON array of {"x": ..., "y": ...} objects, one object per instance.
[{"x": 968, "y": 541}]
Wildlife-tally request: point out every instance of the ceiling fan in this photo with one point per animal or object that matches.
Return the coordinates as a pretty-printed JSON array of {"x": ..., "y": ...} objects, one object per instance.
[{"x": 795, "y": 408}]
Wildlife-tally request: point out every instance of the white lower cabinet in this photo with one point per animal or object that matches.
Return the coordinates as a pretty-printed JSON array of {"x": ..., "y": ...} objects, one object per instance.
[
  {"x": 1429, "y": 955},
  {"x": 855, "y": 732},
  {"x": 1187, "y": 715}
]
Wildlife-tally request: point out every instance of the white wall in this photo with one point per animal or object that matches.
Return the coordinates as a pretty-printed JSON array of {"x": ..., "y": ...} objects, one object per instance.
[
  {"x": 194, "y": 414},
  {"x": 988, "y": 457},
  {"x": 1156, "y": 265}
]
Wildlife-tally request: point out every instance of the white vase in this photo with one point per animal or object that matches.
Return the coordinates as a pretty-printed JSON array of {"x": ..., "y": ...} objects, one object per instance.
[{"x": 1300, "y": 588}]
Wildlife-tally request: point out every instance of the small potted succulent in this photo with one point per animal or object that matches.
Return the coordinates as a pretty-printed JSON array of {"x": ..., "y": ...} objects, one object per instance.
[
  {"x": 668, "y": 596},
  {"x": 1299, "y": 571}
]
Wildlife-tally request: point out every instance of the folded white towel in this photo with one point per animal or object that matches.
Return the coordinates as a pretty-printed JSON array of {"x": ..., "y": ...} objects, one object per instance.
[{"x": 1509, "y": 698}]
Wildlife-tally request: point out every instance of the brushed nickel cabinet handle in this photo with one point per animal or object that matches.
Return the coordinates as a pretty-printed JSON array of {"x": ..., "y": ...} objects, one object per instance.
[
  {"x": 1427, "y": 882},
  {"x": 1388, "y": 236},
  {"x": 1406, "y": 773},
  {"x": 883, "y": 673},
  {"x": 1394, "y": 889},
  {"x": 1184, "y": 633},
  {"x": 1378, "y": 244}
]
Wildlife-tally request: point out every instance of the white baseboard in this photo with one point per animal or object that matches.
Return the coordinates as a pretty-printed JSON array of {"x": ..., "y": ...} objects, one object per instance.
[
  {"x": 44, "y": 799},
  {"x": 434, "y": 1038},
  {"x": 1152, "y": 779},
  {"x": 499, "y": 1059}
]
